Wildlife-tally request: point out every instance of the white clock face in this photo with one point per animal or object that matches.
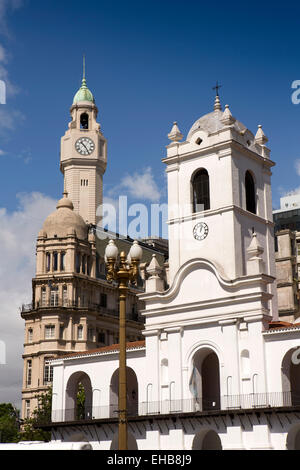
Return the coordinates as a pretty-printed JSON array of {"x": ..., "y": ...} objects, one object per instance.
[
  {"x": 200, "y": 231},
  {"x": 85, "y": 146}
]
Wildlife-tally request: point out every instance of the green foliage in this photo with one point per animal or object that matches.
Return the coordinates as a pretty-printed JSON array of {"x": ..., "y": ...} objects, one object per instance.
[
  {"x": 80, "y": 402},
  {"x": 9, "y": 423},
  {"x": 41, "y": 415}
]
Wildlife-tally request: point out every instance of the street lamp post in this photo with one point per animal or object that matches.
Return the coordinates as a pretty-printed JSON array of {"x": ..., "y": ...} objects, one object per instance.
[{"x": 123, "y": 272}]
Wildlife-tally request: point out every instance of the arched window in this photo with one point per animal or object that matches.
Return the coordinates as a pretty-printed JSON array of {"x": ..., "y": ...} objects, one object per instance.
[
  {"x": 84, "y": 121},
  {"x": 55, "y": 261},
  {"x": 48, "y": 261},
  {"x": 200, "y": 184},
  {"x": 62, "y": 261},
  {"x": 250, "y": 193}
]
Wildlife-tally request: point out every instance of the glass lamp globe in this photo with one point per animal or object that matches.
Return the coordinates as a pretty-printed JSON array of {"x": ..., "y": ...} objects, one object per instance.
[
  {"x": 111, "y": 251},
  {"x": 135, "y": 252}
]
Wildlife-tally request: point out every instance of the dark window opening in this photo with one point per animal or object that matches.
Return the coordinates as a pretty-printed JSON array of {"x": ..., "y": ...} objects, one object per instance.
[
  {"x": 201, "y": 199},
  {"x": 103, "y": 300},
  {"x": 101, "y": 337},
  {"x": 78, "y": 263},
  {"x": 84, "y": 121},
  {"x": 55, "y": 261},
  {"x": 199, "y": 141},
  {"x": 250, "y": 193}
]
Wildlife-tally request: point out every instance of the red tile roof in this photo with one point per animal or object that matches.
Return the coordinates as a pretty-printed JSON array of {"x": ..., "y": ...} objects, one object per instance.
[
  {"x": 112, "y": 347},
  {"x": 279, "y": 325}
]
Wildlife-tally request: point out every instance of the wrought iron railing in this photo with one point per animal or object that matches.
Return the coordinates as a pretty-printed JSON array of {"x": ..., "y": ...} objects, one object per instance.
[
  {"x": 74, "y": 304},
  {"x": 193, "y": 405}
]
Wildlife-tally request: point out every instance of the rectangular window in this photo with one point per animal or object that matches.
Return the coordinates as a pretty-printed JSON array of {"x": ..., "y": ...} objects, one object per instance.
[
  {"x": 103, "y": 300},
  {"x": 61, "y": 331},
  {"x": 54, "y": 297},
  {"x": 90, "y": 334},
  {"x": 30, "y": 335},
  {"x": 62, "y": 261},
  {"x": 27, "y": 409},
  {"x": 29, "y": 372},
  {"x": 55, "y": 261},
  {"x": 48, "y": 258},
  {"x": 48, "y": 373},
  {"x": 49, "y": 331},
  {"x": 43, "y": 296},
  {"x": 83, "y": 264},
  {"x": 65, "y": 296},
  {"x": 101, "y": 337},
  {"x": 78, "y": 263},
  {"x": 80, "y": 332}
]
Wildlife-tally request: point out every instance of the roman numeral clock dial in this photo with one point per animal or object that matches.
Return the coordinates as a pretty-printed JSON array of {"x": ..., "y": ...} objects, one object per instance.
[
  {"x": 200, "y": 231},
  {"x": 85, "y": 146}
]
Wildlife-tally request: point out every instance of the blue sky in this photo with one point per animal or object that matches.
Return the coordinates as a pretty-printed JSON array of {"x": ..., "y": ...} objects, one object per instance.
[{"x": 148, "y": 64}]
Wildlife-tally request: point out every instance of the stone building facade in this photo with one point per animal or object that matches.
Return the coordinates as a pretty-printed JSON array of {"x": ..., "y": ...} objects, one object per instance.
[{"x": 73, "y": 307}]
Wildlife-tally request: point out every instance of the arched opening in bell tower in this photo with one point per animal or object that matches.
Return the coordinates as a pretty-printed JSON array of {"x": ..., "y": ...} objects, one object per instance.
[
  {"x": 84, "y": 121},
  {"x": 200, "y": 191},
  {"x": 250, "y": 193}
]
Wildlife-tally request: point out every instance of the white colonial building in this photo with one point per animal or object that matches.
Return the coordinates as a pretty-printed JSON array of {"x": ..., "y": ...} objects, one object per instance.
[{"x": 216, "y": 369}]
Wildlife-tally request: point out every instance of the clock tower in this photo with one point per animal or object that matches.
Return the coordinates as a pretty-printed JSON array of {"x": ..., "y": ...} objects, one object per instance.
[
  {"x": 83, "y": 156},
  {"x": 219, "y": 195}
]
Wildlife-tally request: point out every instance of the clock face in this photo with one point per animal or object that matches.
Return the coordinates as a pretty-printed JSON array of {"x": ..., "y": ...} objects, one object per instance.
[
  {"x": 200, "y": 231},
  {"x": 85, "y": 146}
]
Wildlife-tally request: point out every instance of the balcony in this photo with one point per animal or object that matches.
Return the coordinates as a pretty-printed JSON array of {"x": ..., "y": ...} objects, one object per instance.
[
  {"x": 58, "y": 303},
  {"x": 228, "y": 403}
]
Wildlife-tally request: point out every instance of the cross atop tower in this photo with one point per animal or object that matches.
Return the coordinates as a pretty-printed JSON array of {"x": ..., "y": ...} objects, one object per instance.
[{"x": 217, "y": 87}]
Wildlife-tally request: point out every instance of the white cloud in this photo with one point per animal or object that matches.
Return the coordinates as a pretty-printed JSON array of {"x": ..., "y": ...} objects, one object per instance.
[
  {"x": 142, "y": 185},
  {"x": 7, "y": 6},
  {"x": 18, "y": 232},
  {"x": 292, "y": 192},
  {"x": 297, "y": 166}
]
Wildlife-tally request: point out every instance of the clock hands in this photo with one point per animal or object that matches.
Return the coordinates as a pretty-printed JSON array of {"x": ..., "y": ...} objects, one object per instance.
[{"x": 85, "y": 147}]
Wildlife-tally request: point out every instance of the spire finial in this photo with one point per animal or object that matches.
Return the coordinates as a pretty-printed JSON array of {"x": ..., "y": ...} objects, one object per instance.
[
  {"x": 217, "y": 100},
  {"x": 83, "y": 75}
]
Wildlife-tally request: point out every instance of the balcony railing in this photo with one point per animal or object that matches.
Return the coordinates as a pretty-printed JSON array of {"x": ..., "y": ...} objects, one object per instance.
[
  {"x": 72, "y": 304},
  {"x": 199, "y": 405}
]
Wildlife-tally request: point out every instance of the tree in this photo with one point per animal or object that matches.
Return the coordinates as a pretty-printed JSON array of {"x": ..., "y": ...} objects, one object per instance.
[
  {"x": 9, "y": 423},
  {"x": 41, "y": 415},
  {"x": 80, "y": 407}
]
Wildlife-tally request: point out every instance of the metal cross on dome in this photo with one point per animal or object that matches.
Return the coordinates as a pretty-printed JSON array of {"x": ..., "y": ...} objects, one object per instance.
[{"x": 217, "y": 87}]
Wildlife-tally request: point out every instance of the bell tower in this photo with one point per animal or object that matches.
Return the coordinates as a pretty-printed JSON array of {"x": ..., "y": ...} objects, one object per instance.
[
  {"x": 83, "y": 156},
  {"x": 219, "y": 187}
]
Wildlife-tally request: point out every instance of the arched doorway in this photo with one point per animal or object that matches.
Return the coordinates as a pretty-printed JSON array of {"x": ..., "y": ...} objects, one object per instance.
[
  {"x": 293, "y": 439},
  {"x": 132, "y": 393},
  {"x": 79, "y": 397},
  {"x": 207, "y": 440},
  {"x": 205, "y": 380},
  {"x": 290, "y": 373}
]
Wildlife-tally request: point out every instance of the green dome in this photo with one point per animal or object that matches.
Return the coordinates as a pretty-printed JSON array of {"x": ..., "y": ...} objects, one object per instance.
[{"x": 84, "y": 94}]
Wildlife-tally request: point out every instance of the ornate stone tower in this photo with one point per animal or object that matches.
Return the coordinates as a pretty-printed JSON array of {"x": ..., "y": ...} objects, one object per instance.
[{"x": 83, "y": 156}]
